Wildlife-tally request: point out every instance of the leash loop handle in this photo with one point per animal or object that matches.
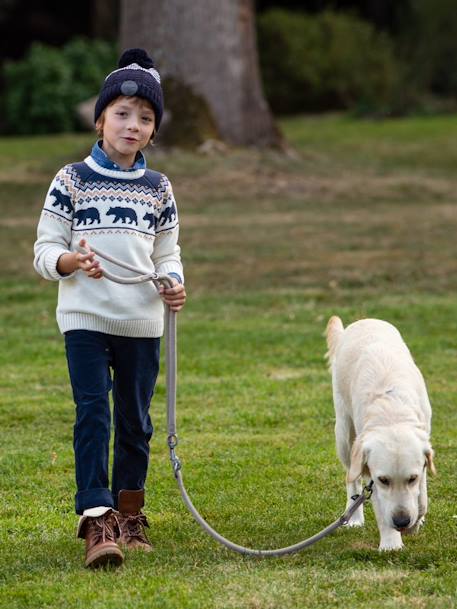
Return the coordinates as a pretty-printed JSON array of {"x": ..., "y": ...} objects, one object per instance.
[{"x": 141, "y": 277}]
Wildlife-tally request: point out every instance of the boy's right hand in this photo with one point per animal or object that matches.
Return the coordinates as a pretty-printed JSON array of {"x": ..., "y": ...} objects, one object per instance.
[{"x": 73, "y": 261}]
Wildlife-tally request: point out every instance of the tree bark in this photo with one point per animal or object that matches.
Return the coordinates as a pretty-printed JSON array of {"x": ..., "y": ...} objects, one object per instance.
[{"x": 210, "y": 47}]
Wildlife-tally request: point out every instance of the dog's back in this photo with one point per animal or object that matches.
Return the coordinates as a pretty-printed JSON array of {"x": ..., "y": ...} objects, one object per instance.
[
  {"x": 368, "y": 358},
  {"x": 367, "y": 339},
  {"x": 359, "y": 335}
]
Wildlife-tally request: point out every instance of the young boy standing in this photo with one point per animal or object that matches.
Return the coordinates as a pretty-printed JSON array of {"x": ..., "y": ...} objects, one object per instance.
[{"x": 112, "y": 331}]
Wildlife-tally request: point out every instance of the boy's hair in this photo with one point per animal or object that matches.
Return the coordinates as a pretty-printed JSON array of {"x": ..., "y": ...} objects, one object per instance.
[
  {"x": 137, "y": 100},
  {"x": 136, "y": 76}
]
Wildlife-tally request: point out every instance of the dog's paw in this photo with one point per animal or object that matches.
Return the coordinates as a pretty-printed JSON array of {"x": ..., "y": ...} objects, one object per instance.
[
  {"x": 390, "y": 546},
  {"x": 355, "y": 522},
  {"x": 358, "y": 517}
]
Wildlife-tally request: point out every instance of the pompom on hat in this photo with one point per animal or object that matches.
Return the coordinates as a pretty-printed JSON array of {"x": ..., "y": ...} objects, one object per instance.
[{"x": 136, "y": 75}]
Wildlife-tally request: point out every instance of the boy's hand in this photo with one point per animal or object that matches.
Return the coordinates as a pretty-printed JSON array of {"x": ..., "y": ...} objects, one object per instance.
[
  {"x": 174, "y": 297},
  {"x": 71, "y": 262},
  {"x": 87, "y": 262}
]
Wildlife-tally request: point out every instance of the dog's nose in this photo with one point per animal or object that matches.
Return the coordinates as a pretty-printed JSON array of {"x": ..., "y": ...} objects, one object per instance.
[{"x": 401, "y": 520}]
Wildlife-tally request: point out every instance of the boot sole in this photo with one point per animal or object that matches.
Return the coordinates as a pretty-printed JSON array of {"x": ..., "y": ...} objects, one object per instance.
[{"x": 108, "y": 555}]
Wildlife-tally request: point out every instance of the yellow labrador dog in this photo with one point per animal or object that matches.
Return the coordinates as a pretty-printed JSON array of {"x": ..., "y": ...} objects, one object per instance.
[{"x": 383, "y": 418}]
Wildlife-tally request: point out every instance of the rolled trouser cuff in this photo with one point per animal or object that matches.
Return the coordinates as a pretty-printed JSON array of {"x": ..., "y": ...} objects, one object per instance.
[{"x": 93, "y": 497}]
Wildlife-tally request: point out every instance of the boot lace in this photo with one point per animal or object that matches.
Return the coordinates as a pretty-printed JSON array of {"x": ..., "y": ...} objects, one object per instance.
[
  {"x": 103, "y": 528},
  {"x": 133, "y": 526}
]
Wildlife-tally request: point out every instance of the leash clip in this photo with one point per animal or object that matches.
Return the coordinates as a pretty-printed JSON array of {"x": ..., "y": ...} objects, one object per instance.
[
  {"x": 175, "y": 462},
  {"x": 368, "y": 490}
]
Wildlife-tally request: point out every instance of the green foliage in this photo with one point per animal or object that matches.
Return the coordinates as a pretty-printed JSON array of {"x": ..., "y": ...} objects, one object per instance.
[
  {"x": 43, "y": 89},
  {"x": 90, "y": 61},
  {"x": 327, "y": 61},
  {"x": 38, "y": 92},
  {"x": 429, "y": 41}
]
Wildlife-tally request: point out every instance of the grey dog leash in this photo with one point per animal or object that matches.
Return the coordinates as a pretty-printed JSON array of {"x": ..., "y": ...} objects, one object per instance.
[{"x": 171, "y": 376}]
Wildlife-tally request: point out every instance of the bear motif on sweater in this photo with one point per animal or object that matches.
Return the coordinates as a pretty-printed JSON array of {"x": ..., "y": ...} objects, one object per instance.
[{"x": 123, "y": 213}]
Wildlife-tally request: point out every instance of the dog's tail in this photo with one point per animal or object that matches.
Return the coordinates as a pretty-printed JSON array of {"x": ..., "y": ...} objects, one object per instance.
[{"x": 333, "y": 333}]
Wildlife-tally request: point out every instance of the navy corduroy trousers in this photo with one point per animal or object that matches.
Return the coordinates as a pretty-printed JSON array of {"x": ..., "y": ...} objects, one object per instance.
[{"x": 99, "y": 363}]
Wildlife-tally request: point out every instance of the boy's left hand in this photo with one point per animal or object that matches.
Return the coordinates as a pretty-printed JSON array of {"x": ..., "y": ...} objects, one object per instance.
[{"x": 174, "y": 297}]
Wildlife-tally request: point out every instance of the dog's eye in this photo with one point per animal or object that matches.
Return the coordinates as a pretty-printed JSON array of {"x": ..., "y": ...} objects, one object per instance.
[
  {"x": 412, "y": 479},
  {"x": 383, "y": 480}
]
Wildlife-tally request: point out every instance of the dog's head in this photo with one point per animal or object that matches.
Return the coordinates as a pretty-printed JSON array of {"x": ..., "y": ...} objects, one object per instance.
[{"x": 396, "y": 459}]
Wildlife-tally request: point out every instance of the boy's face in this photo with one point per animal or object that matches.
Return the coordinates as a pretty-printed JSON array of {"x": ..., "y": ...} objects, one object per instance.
[{"x": 127, "y": 128}]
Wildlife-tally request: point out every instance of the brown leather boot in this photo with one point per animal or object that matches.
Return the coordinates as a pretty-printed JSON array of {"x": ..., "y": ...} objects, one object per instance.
[
  {"x": 132, "y": 521},
  {"x": 100, "y": 534}
]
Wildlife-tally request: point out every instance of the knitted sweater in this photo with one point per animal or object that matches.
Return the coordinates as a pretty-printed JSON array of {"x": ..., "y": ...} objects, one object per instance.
[{"x": 129, "y": 214}]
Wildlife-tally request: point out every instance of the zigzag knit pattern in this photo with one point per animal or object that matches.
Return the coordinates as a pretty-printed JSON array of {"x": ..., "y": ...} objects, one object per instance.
[{"x": 87, "y": 199}]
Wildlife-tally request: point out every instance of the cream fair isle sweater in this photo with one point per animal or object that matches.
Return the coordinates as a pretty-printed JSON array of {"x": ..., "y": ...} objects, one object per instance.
[{"x": 131, "y": 215}]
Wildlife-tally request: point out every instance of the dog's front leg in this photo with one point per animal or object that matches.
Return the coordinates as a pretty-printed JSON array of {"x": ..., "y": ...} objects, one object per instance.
[
  {"x": 355, "y": 488},
  {"x": 390, "y": 539}
]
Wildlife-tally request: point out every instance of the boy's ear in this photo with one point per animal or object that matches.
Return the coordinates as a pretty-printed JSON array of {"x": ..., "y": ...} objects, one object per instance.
[{"x": 99, "y": 124}]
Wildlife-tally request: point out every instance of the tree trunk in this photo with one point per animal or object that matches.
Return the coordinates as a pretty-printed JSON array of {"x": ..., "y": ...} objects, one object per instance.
[{"x": 209, "y": 47}]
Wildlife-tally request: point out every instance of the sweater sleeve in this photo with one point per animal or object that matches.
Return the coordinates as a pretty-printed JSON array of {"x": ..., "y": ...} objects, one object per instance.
[
  {"x": 167, "y": 253},
  {"x": 54, "y": 229}
]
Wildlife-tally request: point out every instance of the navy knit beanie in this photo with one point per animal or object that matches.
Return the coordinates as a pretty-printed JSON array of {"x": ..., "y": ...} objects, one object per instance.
[{"x": 136, "y": 75}]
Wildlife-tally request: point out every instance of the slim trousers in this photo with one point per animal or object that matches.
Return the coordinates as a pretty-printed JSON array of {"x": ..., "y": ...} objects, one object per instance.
[{"x": 99, "y": 363}]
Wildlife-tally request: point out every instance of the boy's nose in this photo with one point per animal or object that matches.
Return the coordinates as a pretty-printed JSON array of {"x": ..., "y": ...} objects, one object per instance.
[{"x": 133, "y": 124}]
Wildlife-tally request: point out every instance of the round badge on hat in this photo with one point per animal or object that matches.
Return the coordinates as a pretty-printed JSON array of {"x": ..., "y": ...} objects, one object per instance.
[{"x": 129, "y": 88}]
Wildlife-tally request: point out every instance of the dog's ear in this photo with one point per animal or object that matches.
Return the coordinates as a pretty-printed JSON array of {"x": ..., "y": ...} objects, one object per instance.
[
  {"x": 359, "y": 455},
  {"x": 429, "y": 454}
]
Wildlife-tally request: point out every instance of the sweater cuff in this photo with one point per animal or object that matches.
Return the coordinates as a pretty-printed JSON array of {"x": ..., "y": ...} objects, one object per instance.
[
  {"x": 51, "y": 264},
  {"x": 176, "y": 276},
  {"x": 171, "y": 268}
]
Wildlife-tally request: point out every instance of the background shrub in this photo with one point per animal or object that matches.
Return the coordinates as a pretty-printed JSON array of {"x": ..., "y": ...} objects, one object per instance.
[
  {"x": 43, "y": 89},
  {"x": 90, "y": 61},
  {"x": 428, "y": 42},
  {"x": 38, "y": 92},
  {"x": 327, "y": 61}
]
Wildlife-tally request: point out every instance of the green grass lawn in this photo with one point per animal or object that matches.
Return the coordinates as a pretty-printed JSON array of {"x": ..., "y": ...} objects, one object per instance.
[{"x": 361, "y": 220}]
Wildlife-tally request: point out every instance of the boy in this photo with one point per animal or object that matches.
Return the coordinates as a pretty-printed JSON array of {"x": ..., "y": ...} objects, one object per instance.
[{"x": 112, "y": 331}]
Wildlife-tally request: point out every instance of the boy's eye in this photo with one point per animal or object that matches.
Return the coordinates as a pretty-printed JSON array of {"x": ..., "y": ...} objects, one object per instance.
[
  {"x": 121, "y": 113},
  {"x": 147, "y": 119}
]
